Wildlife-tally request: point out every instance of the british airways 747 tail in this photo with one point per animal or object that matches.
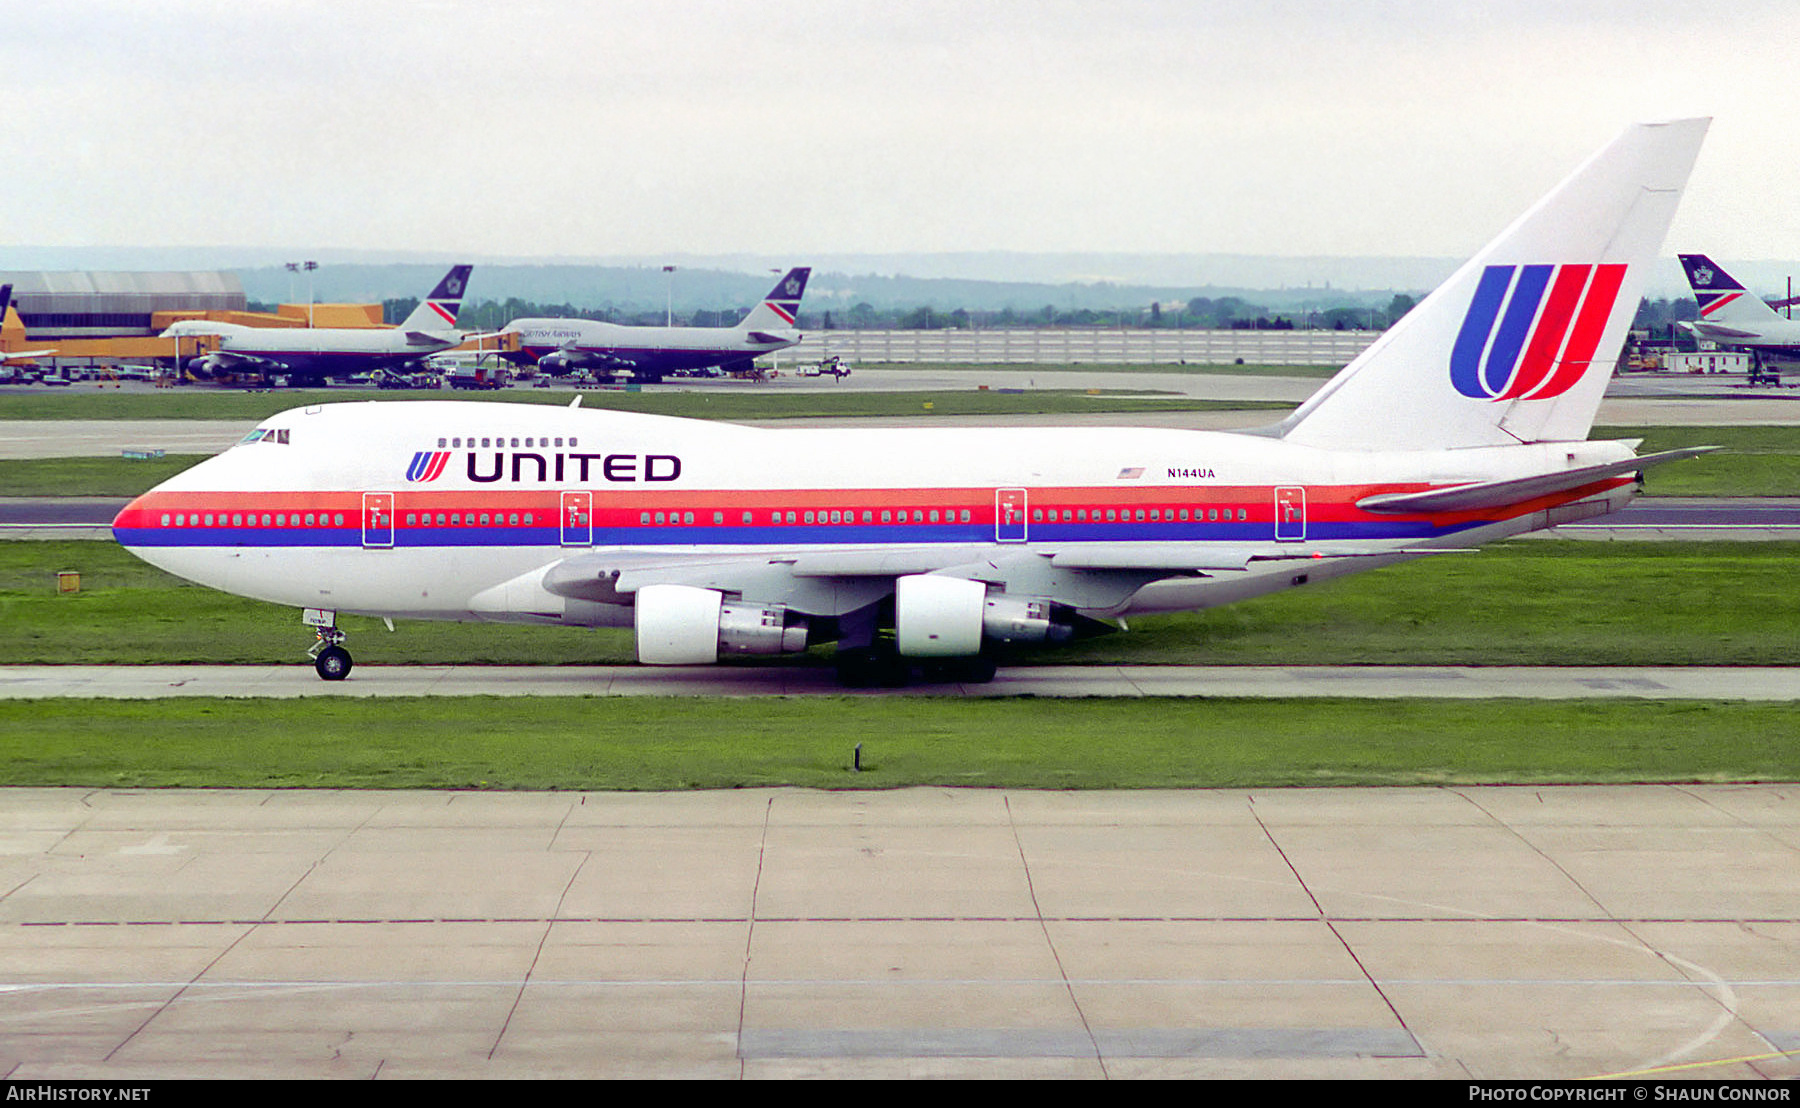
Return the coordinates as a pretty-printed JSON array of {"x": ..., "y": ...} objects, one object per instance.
[{"x": 1466, "y": 422}]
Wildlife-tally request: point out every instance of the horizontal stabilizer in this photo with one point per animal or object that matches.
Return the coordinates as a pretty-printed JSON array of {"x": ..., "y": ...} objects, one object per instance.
[{"x": 1500, "y": 494}]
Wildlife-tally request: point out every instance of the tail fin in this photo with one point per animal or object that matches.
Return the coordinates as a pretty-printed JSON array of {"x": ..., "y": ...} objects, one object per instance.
[
  {"x": 778, "y": 309},
  {"x": 438, "y": 312},
  {"x": 1722, "y": 298},
  {"x": 11, "y": 326},
  {"x": 1518, "y": 344}
]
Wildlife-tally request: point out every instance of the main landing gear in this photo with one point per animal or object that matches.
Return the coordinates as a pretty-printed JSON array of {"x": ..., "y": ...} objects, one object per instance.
[
  {"x": 865, "y": 668},
  {"x": 329, "y": 656}
]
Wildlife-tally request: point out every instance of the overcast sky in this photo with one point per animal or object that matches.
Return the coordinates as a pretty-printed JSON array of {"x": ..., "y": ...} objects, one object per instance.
[{"x": 595, "y": 127}]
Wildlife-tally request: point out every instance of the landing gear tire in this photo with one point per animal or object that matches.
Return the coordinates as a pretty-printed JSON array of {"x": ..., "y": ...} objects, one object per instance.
[
  {"x": 871, "y": 669},
  {"x": 333, "y": 663},
  {"x": 962, "y": 671}
]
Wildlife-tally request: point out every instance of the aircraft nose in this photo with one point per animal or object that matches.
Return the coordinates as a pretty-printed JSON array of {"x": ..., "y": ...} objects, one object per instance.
[{"x": 134, "y": 519}]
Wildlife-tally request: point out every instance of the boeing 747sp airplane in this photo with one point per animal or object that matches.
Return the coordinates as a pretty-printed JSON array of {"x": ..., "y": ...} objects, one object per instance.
[
  {"x": 1732, "y": 317},
  {"x": 1465, "y": 423},
  {"x": 309, "y": 355},
  {"x": 561, "y": 346}
]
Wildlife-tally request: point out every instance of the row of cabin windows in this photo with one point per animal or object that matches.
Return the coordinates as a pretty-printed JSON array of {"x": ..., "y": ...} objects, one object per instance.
[
  {"x": 249, "y": 519},
  {"x": 470, "y": 519},
  {"x": 499, "y": 442},
  {"x": 919, "y": 515},
  {"x": 1156, "y": 515},
  {"x": 948, "y": 515}
]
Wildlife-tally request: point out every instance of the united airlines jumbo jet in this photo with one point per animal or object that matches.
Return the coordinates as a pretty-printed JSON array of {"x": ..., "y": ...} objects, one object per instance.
[{"x": 1464, "y": 423}]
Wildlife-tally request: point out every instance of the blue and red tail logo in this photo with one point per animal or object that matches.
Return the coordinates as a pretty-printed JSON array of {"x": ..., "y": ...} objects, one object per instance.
[
  {"x": 1532, "y": 330},
  {"x": 427, "y": 465}
]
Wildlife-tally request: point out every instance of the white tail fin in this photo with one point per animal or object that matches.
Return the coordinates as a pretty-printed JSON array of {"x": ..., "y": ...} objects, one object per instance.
[
  {"x": 1518, "y": 344},
  {"x": 438, "y": 311},
  {"x": 778, "y": 309}
]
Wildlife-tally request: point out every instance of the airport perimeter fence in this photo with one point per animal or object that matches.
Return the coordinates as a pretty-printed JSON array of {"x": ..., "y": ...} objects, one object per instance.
[{"x": 1074, "y": 346}]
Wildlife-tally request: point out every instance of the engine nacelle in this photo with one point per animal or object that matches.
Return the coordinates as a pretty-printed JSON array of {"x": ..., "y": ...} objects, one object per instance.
[
  {"x": 938, "y": 617},
  {"x": 556, "y": 363},
  {"x": 680, "y": 625}
]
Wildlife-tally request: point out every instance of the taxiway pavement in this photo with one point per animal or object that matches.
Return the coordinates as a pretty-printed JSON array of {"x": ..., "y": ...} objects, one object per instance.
[
  {"x": 21, "y": 682},
  {"x": 1460, "y": 933}
]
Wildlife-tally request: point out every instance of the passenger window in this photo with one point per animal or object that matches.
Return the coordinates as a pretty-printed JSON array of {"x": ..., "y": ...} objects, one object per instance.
[
  {"x": 686, "y": 517},
  {"x": 963, "y": 516},
  {"x": 660, "y": 518},
  {"x": 868, "y": 517},
  {"x": 808, "y": 517},
  {"x": 484, "y": 519},
  {"x": 1140, "y": 515},
  {"x": 837, "y": 517},
  {"x": 644, "y": 517},
  {"x": 934, "y": 515},
  {"x": 746, "y": 517},
  {"x": 718, "y": 518},
  {"x": 165, "y": 519},
  {"x": 237, "y": 519},
  {"x": 265, "y": 521},
  {"x": 1241, "y": 514},
  {"x": 512, "y": 520}
]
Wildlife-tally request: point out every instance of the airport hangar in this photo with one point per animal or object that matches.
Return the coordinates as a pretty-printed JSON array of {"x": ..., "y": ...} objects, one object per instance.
[{"x": 99, "y": 319}]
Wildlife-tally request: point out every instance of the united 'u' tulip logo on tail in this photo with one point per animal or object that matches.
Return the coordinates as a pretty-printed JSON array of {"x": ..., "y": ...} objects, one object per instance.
[
  {"x": 1509, "y": 349},
  {"x": 427, "y": 465}
]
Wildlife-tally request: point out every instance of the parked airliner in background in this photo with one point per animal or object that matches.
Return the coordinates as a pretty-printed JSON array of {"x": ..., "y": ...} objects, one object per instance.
[
  {"x": 310, "y": 355},
  {"x": 562, "y": 346},
  {"x": 7, "y": 315},
  {"x": 1464, "y": 423},
  {"x": 1733, "y": 318}
]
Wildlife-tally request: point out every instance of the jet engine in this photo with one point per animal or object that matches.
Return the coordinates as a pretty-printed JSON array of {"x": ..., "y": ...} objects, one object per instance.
[
  {"x": 682, "y": 625},
  {"x": 947, "y": 617}
]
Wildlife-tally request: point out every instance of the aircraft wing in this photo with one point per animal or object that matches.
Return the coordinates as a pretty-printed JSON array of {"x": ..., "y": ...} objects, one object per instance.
[
  {"x": 24, "y": 355},
  {"x": 1091, "y": 576},
  {"x": 1500, "y": 494}
]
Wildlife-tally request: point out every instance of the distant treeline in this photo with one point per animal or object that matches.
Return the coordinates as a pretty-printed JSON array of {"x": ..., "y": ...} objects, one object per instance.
[
  {"x": 1657, "y": 317},
  {"x": 1229, "y": 312}
]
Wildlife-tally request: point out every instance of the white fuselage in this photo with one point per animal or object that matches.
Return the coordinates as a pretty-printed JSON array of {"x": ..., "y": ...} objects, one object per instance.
[{"x": 455, "y": 510}]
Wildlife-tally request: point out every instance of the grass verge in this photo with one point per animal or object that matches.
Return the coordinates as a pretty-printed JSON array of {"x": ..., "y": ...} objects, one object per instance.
[
  {"x": 1756, "y": 461},
  {"x": 1537, "y": 602},
  {"x": 655, "y": 744},
  {"x": 720, "y": 402}
]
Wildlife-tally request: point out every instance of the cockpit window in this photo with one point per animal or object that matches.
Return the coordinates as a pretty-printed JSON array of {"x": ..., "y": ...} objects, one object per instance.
[{"x": 265, "y": 434}]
